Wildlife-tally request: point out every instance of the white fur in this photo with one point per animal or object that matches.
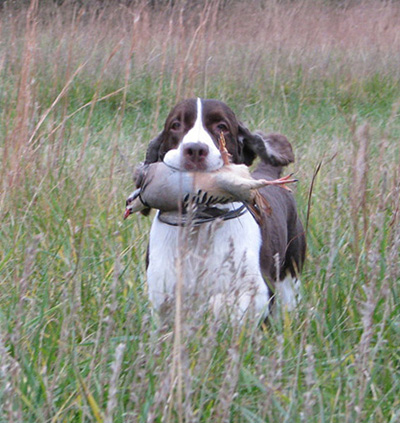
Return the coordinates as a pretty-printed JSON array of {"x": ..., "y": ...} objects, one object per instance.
[
  {"x": 197, "y": 134},
  {"x": 219, "y": 260},
  {"x": 288, "y": 292}
]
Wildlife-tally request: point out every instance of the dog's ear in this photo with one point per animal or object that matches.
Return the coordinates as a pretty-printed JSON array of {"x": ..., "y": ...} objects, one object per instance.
[
  {"x": 274, "y": 149},
  {"x": 152, "y": 156},
  {"x": 153, "y": 150},
  {"x": 246, "y": 140}
]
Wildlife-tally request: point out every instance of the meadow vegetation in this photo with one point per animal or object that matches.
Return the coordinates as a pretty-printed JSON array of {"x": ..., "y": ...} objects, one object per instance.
[{"x": 82, "y": 91}]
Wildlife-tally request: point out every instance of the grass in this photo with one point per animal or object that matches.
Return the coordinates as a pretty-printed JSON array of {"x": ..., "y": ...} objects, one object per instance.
[{"x": 81, "y": 95}]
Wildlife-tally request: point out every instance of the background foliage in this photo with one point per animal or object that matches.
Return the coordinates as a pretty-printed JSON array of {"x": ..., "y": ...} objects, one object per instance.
[{"x": 82, "y": 91}]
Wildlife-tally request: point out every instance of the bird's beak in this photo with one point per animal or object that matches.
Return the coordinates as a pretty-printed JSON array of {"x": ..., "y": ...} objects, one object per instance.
[{"x": 128, "y": 211}]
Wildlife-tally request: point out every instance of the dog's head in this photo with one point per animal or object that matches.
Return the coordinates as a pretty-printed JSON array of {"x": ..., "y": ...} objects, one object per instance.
[{"x": 189, "y": 141}]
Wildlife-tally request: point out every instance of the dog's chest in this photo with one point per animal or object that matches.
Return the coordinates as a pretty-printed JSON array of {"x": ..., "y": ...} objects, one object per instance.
[{"x": 215, "y": 256}]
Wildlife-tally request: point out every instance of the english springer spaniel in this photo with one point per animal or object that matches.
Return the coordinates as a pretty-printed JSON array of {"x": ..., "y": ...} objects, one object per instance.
[{"x": 238, "y": 263}]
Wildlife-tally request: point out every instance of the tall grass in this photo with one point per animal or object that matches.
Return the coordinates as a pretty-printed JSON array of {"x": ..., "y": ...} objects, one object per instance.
[{"x": 82, "y": 92}]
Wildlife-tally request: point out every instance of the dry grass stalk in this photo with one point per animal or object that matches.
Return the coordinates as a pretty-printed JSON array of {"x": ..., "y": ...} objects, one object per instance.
[
  {"x": 15, "y": 144},
  {"x": 121, "y": 112},
  {"x": 113, "y": 389},
  {"x": 161, "y": 400},
  {"x": 393, "y": 264},
  {"x": 23, "y": 284},
  {"x": 114, "y": 51},
  {"x": 188, "y": 61},
  {"x": 166, "y": 43},
  {"x": 227, "y": 392},
  {"x": 309, "y": 395},
  {"x": 374, "y": 290},
  {"x": 176, "y": 388},
  {"x": 358, "y": 187},
  {"x": 210, "y": 8},
  {"x": 333, "y": 242},
  {"x": 10, "y": 374},
  {"x": 32, "y": 141},
  {"x": 363, "y": 355},
  {"x": 106, "y": 325}
]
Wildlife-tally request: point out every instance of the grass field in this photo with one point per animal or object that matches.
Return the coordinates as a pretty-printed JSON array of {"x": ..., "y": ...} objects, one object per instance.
[{"x": 81, "y": 94}]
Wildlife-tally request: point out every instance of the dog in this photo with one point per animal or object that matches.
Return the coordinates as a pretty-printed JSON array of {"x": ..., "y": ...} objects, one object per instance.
[{"x": 241, "y": 263}]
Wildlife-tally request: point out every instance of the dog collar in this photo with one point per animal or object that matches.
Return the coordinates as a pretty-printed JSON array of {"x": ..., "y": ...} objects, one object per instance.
[{"x": 200, "y": 216}]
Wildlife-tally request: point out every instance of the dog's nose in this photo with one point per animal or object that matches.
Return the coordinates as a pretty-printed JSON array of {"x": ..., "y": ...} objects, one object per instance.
[{"x": 194, "y": 155}]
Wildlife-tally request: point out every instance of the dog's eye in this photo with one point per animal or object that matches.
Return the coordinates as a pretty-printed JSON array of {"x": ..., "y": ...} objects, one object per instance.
[
  {"x": 176, "y": 125},
  {"x": 222, "y": 127}
]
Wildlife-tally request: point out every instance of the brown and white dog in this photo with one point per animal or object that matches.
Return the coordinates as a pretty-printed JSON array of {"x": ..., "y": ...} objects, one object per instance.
[{"x": 240, "y": 263}]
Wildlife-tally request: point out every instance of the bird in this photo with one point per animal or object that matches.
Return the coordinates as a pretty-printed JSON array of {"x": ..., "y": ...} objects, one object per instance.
[{"x": 167, "y": 189}]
